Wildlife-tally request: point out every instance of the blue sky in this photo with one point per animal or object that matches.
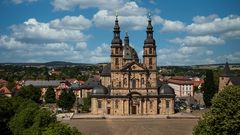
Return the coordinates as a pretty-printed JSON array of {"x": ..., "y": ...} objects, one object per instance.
[{"x": 187, "y": 32}]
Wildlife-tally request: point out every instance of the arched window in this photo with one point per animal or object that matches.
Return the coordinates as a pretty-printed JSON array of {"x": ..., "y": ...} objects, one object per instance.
[
  {"x": 150, "y": 50},
  {"x": 133, "y": 83},
  {"x": 142, "y": 81},
  {"x": 99, "y": 104},
  {"x": 119, "y": 84},
  {"x": 125, "y": 81},
  {"x": 116, "y": 104},
  {"x": 150, "y": 61},
  {"x": 151, "y": 104},
  {"x": 167, "y": 103},
  {"x": 117, "y": 61}
]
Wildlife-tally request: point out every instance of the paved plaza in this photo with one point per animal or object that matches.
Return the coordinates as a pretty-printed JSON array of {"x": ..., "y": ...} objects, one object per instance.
[{"x": 149, "y": 126}]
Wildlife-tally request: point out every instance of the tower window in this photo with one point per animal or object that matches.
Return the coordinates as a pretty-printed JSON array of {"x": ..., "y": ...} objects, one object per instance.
[
  {"x": 150, "y": 50},
  {"x": 116, "y": 50},
  {"x": 117, "y": 61},
  {"x": 150, "y": 61}
]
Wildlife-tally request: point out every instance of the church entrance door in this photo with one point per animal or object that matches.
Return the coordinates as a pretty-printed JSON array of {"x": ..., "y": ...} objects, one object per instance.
[{"x": 134, "y": 109}]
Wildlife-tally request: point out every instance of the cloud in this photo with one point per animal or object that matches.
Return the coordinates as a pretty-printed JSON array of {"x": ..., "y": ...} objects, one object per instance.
[
  {"x": 131, "y": 16},
  {"x": 186, "y": 55},
  {"x": 198, "y": 40},
  {"x": 233, "y": 57},
  {"x": 204, "y": 19},
  {"x": 22, "y": 1},
  {"x": 169, "y": 26},
  {"x": 100, "y": 4},
  {"x": 10, "y": 43},
  {"x": 231, "y": 34},
  {"x": 81, "y": 45},
  {"x": 213, "y": 25},
  {"x": 71, "y": 22},
  {"x": 34, "y": 31}
]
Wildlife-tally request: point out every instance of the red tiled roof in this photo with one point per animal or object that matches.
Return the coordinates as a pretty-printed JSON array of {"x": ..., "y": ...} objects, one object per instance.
[
  {"x": 3, "y": 81},
  {"x": 180, "y": 78},
  {"x": 5, "y": 90},
  {"x": 181, "y": 82}
]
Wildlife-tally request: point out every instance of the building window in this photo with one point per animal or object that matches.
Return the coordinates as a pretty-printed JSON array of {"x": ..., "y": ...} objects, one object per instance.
[
  {"x": 116, "y": 50},
  {"x": 151, "y": 104},
  {"x": 116, "y": 104},
  {"x": 119, "y": 84},
  {"x": 117, "y": 61},
  {"x": 133, "y": 83},
  {"x": 150, "y": 50},
  {"x": 99, "y": 104},
  {"x": 150, "y": 61},
  {"x": 167, "y": 103},
  {"x": 142, "y": 81},
  {"x": 125, "y": 81}
]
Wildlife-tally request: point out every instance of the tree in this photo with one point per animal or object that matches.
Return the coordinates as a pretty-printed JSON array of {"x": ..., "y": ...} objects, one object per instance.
[
  {"x": 208, "y": 88},
  {"x": 87, "y": 103},
  {"x": 60, "y": 129},
  {"x": 30, "y": 119},
  {"x": 30, "y": 92},
  {"x": 66, "y": 99},
  {"x": 50, "y": 96},
  {"x": 23, "y": 119},
  {"x": 224, "y": 114},
  {"x": 6, "y": 112},
  {"x": 10, "y": 85}
]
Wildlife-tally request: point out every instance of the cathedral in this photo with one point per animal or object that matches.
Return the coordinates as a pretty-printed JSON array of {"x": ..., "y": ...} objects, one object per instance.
[{"x": 129, "y": 87}]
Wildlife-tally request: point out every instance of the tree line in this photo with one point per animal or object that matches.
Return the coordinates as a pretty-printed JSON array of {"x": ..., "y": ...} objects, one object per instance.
[{"x": 22, "y": 114}]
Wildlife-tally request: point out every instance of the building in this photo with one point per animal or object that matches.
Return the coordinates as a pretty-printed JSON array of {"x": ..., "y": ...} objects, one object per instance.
[
  {"x": 128, "y": 87},
  {"x": 43, "y": 85},
  {"x": 227, "y": 78},
  {"x": 5, "y": 91},
  {"x": 182, "y": 86}
]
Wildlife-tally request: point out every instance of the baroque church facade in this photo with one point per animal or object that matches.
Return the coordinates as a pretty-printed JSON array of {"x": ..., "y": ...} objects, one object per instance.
[{"x": 128, "y": 87}]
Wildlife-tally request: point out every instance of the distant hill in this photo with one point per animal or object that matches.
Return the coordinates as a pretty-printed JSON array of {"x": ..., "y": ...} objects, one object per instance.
[{"x": 48, "y": 64}]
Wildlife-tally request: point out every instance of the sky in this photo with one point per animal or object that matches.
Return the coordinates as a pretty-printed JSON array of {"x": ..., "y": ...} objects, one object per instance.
[{"x": 187, "y": 32}]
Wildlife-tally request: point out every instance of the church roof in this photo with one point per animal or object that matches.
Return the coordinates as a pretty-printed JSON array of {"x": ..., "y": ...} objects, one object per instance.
[
  {"x": 129, "y": 53},
  {"x": 226, "y": 70},
  {"x": 90, "y": 83},
  {"x": 43, "y": 83},
  {"x": 100, "y": 90},
  {"x": 165, "y": 89},
  {"x": 235, "y": 80},
  {"x": 106, "y": 71}
]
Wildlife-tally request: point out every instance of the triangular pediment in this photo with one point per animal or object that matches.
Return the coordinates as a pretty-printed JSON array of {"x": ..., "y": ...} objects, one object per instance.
[{"x": 133, "y": 66}]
